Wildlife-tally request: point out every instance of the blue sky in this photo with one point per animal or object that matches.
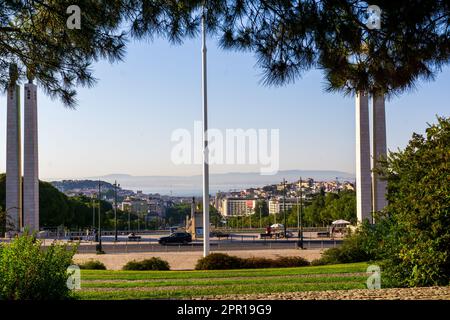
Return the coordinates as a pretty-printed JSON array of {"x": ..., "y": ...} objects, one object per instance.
[{"x": 124, "y": 124}]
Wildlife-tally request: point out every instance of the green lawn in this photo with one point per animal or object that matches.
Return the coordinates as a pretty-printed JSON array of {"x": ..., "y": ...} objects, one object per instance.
[{"x": 188, "y": 284}]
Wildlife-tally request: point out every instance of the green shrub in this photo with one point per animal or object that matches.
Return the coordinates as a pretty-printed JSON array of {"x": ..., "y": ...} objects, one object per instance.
[
  {"x": 417, "y": 247},
  {"x": 30, "y": 272},
  {"x": 364, "y": 245},
  {"x": 281, "y": 262},
  {"x": 317, "y": 262},
  {"x": 256, "y": 263},
  {"x": 220, "y": 261},
  {"x": 415, "y": 260},
  {"x": 291, "y": 262},
  {"x": 92, "y": 265},
  {"x": 153, "y": 263}
]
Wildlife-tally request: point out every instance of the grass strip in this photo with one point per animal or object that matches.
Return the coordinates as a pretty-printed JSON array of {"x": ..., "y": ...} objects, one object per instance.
[
  {"x": 142, "y": 275},
  {"x": 227, "y": 282},
  {"x": 188, "y": 293}
]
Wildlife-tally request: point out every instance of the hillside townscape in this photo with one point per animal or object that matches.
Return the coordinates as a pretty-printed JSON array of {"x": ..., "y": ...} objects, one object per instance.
[{"x": 197, "y": 156}]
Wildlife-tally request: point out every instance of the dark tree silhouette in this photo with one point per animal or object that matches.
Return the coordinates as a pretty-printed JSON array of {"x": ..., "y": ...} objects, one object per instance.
[
  {"x": 290, "y": 37},
  {"x": 34, "y": 35}
]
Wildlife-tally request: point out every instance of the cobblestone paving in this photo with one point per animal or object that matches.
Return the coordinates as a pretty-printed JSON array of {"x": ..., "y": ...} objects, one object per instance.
[{"x": 431, "y": 293}]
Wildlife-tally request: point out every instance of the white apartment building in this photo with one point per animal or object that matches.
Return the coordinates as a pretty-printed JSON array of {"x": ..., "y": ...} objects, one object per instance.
[
  {"x": 237, "y": 207},
  {"x": 276, "y": 205}
]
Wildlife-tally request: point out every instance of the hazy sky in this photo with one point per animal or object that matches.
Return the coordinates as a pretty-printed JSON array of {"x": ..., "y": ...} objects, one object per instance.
[{"x": 124, "y": 124}]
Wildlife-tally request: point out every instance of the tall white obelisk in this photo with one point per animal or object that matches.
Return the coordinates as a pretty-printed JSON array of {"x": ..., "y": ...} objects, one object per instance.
[
  {"x": 379, "y": 186},
  {"x": 363, "y": 171},
  {"x": 13, "y": 155},
  {"x": 31, "y": 159}
]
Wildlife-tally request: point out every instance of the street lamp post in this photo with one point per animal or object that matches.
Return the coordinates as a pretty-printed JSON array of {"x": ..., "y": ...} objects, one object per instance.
[
  {"x": 300, "y": 223},
  {"x": 115, "y": 210},
  {"x": 93, "y": 211},
  {"x": 99, "y": 247},
  {"x": 138, "y": 214},
  {"x": 260, "y": 217},
  {"x": 298, "y": 215}
]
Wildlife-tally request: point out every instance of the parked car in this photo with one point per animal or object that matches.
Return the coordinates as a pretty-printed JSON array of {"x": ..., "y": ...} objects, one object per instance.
[
  {"x": 324, "y": 234},
  {"x": 289, "y": 234},
  {"x": 219, "y": 234},
  {"x": 177, "y": 237},
  {"x": 281, "y": 235}
]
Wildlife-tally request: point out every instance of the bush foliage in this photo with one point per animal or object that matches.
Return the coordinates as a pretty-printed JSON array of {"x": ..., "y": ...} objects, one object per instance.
[
  {"x": 153, "y": 263},
  {"x": 92, "y": 265},
  {"x": 218, "y": 261},
  {"x": 364, "y": 244},
  {"x": 30, "y": 272},
  {"x": 221, "y": 261},
  {"x": 411, "y": 238},
  {"x": 417, "y": 250}
]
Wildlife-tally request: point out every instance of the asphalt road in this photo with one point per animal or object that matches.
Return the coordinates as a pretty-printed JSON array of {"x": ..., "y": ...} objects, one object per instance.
[{"x": 215, "y": 245}]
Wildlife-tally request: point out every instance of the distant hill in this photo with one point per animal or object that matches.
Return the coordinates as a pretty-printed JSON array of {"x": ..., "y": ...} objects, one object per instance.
[
  {"x": 66, "y": 185},
  {"x": 57, "y": 209},
  {"x": 192, "y": 185}
]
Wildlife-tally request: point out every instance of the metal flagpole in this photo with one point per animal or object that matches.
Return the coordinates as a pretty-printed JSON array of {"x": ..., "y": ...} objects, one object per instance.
[
  {"x": 284, "y": 207},
  {"x": 205, "y": 143}
]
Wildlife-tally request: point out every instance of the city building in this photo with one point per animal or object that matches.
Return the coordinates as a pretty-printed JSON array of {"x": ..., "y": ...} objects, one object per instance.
[
  {"x": 134, "y": 205},
  {"x": 276, "y": 205},
  {"x": 237, "y": 207}
]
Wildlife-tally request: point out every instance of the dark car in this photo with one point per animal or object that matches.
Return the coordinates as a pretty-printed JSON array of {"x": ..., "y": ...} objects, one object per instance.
[
  {"x": 177, "y": 237},
  {"x": 219, "y": 234}
]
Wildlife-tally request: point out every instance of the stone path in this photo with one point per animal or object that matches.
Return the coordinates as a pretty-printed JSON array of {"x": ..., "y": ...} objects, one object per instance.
[{"x": 431, "y": 293}]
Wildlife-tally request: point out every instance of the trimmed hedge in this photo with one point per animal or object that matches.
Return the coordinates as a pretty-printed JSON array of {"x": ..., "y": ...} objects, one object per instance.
[
  {"x": 221, "y": 261},
  {"x": 92, "y": 265},
  {"x": 147, "y": 264}
]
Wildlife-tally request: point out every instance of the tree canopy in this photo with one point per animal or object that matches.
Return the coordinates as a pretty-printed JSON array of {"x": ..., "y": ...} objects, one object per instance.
[
  {"x": 288, "y": 37},
  {"x": 34, "y": 36}
]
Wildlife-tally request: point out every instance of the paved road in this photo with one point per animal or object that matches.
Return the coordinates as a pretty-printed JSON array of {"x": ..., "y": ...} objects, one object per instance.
[
  {"x": 239, "y": 241},
  {"x": 215, "y": 245}
]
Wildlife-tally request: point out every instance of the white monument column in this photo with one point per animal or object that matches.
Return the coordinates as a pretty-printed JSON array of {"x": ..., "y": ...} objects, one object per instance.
[
  {"x": 13, "y": 155},
  {"x": 31, "y": 160},
  {"x": 363, "y": 172},
  {"x": 379, "y": 151}
]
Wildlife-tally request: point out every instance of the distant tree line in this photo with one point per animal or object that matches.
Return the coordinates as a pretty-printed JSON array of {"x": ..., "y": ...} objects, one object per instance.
[{"x": 57, "y": 209}]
